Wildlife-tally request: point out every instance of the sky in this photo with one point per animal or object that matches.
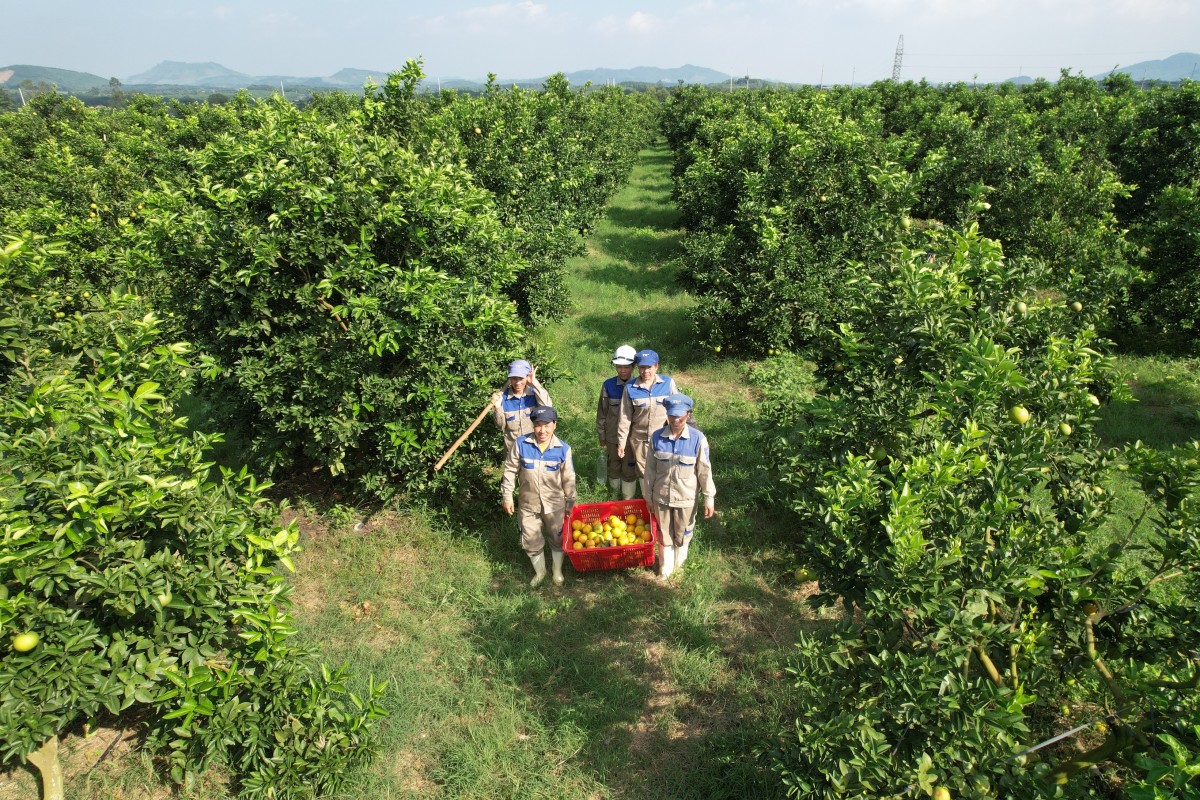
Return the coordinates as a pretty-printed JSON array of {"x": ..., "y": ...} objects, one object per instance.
[{"x": 803, "y": 41}]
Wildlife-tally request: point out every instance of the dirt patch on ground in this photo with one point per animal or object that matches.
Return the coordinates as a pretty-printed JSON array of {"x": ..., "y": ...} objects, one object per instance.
[
  {"x": 646, "y": 737},
  {"x": 411, "y": 770},
  {"x": 96, "y": 763},
  {"x": 310, "y": 526}
]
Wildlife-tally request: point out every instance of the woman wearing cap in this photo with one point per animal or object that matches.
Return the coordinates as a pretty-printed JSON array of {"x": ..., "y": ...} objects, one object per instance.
[
  {"x": 641, "y": 414},
  {"x": 608, "y": 414},
  {"x": 678, "y": 470},
  {"x": 519, "y": 398},
  {"x": 547, "y": 491}
]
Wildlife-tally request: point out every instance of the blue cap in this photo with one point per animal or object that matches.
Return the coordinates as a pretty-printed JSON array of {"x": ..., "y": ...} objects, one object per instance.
[
  {"x": 519, "y": 368},
  {"x": 645, "y": 358},
  {"x": 543, "y": 414},
  {"x": 677, "y": 405}
]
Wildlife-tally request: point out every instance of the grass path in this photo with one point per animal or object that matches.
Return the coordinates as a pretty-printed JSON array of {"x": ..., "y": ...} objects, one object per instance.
[{"x": 615, "y": 686}]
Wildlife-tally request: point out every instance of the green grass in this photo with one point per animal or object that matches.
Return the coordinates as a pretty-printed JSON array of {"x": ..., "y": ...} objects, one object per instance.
[
  {"x": 1166, "y": 408},
  {"x": 1164, "y": 414}
]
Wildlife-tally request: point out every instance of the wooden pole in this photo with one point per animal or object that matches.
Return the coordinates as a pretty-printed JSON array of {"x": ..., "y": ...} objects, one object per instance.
[{"x": 441, "y": 461}]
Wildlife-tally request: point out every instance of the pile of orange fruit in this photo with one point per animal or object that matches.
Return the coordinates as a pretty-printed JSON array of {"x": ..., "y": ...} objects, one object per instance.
[{"x": 610, "y": 531}]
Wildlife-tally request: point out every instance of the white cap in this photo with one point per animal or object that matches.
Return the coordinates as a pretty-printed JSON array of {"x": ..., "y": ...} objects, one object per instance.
[{"x": 624, "y": 355}]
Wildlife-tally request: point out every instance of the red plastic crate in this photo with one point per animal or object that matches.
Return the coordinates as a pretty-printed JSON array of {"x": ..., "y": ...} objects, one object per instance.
[{"x": 617, "y": 557}]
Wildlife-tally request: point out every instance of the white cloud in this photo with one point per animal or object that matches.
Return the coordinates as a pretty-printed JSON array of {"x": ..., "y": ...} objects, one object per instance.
[
  {"x": 994, "y": 9},
  {"x": 532, "y": 9},
  {"x": 285, "y": 24},
  {"x": 638, "y": 22},
  {"x": 502, "y": 11},
  {"x": 641, "y": 22},
  {"x": 484, "y": 19},
  {"x": 1155, "y": 9},
  {"x": 223, "y": 13}
]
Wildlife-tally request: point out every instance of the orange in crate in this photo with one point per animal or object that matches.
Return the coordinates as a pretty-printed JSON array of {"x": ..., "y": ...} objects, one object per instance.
[{"x": 590, "y": 545}]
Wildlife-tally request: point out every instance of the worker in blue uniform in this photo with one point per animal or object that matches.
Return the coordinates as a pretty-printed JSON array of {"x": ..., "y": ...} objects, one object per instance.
[
  {"x": 519, "y": 398},
  {"x": 641, "y": 415},
  {"x": 678, "y": 473},
  {"x": 542, "y": 463}
]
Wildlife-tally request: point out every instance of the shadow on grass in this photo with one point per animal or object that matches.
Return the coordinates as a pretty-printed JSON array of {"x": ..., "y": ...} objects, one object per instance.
[
  {"x": 649, "y": 278},
  {"x": 669, "y": 334},
  {"x": 612, "y": 655},
  {"x": 1167, "y": 411},
  {"x": 659, "y": 217},
  {"x": 658, "y": 155},
  {"x": 1160, "y": 427}
]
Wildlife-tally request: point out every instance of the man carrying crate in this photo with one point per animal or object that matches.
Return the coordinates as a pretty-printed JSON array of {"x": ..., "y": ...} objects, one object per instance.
[
  {"x": 547, "y": 491},
  {"x": 678, "y": 470}
]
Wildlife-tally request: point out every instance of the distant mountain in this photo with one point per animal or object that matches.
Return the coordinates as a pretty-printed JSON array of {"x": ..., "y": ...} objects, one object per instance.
[
  {"x": 688, "y": 73},
  {"x": 214, "y": 76},
  {"x": 65, "y": 79},
  {"x": 1176, "y": 68},
  {"x": 355, "y": 77},
  {"x": 210, "y": 75},
  {"x": 182, "y": 73}
]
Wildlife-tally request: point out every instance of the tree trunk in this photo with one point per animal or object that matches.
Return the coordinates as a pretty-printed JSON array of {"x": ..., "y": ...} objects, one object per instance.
[{"x": 46, "y": 760}]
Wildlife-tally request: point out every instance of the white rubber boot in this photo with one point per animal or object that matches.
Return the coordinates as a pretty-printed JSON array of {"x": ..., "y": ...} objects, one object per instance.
[
  {"x": 667, "y": 562},
  {"x": 614, "y": 486},
  {"x": 628, "y": 488},
  {"x": 681, "y": 552},
  {"x": 557, "y": 557},
  {"x": 539, "y": 570}
]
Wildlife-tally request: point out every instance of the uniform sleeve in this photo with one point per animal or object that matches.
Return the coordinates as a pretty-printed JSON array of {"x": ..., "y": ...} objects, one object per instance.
[
  {"x": 568, "y": 479},
  {"x": 539, "y": 392},
  {"x": 602, "y": 415},
  {"x": 650, "y": 474},
  {"x": 508, "y": 484},
  {"x": 704, "y": 480},
  {"x": 674, "y": 388},
  {"x": 625, "y": 419},
  {"x": 498, "y": 413}
]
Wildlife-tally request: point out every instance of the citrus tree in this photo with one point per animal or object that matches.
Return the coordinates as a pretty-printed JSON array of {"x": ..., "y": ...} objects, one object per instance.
[
  {"x": 551, "y": 158},
  {"x": 779, "y": 196},
  {"x": 950, "y": 488},
  {"x": 134, "y": 578},
  {"x": 350, "y": 290},
  {"x": 1157, "y": 148},
  {"x": 77, "y": 175}
]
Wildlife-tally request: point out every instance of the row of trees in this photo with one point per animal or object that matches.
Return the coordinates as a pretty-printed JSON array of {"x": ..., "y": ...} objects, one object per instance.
[
  {"x": 328, "y": 286},
  {"x": 1095, "y": 181},
  {"x": 950, "y": 260}
]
